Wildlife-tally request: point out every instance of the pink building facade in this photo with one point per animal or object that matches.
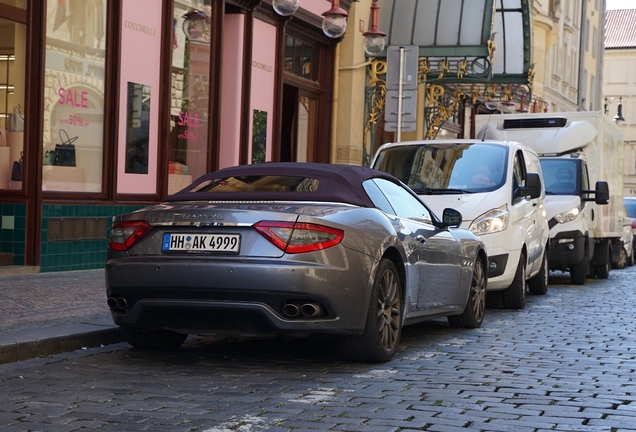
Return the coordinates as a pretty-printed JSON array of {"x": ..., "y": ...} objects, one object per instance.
[{"x": 122, "y": 102}]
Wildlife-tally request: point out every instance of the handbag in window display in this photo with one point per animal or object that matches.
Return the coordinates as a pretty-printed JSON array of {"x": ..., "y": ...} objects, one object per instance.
[
  {"x": 65, "y": 152},
  {"x": 16, "y": 170},
  {"x": 16, "y": 120}
]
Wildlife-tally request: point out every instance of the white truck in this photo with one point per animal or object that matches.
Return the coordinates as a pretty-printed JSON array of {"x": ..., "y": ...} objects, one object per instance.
[{"x": 578, "y": 151}]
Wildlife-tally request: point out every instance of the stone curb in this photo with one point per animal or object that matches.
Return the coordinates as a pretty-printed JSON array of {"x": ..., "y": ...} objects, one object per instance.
[{"x": 16, "y": 347}]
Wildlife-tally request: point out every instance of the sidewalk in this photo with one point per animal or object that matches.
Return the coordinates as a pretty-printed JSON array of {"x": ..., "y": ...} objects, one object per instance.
[{"x": 49, "y": 313}]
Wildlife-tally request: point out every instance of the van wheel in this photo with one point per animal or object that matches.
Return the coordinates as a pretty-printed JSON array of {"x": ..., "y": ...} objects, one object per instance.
[
  {"x": 577, "y": 273},
  {"x": 539, "y": 283},
  {"x": 514, "y": 297}
]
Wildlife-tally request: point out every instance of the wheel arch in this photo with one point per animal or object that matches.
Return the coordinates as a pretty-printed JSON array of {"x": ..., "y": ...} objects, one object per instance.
[{"x": 396, "y": 258}]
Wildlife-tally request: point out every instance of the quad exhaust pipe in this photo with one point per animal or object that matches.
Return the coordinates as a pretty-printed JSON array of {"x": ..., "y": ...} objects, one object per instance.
[
  {"x": 290, "y": 310},
  {"x": 305, "y": 310},
  {"x": 117, "y": 304},
  {"x": 311, "y": 309}
]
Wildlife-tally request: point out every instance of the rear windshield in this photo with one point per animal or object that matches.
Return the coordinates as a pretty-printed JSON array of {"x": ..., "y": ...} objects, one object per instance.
[{"x": 258, "y": 184}]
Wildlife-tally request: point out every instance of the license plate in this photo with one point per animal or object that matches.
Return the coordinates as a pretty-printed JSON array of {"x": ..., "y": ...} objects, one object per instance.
[{"x": 201, "y": 243}]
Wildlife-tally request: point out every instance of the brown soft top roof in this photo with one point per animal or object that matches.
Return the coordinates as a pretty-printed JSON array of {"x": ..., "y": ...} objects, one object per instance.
[{"x": 337, "y": 183}]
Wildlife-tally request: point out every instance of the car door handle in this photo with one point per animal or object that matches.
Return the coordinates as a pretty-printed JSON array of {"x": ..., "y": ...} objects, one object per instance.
[{"x": 420, "y": 238}]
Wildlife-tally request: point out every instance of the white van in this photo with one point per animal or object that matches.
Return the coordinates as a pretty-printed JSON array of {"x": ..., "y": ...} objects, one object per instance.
[{"x": 498, "y": 188}]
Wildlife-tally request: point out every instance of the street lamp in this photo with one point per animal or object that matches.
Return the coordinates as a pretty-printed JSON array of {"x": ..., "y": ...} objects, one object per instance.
[
  {"x": 195, "y": 24},
  {"x": 285, "y": 7},
  {"x": 334, "y": 23},
  {"x": 618, "y": 118},
  {"x": 374, "y": 39}
]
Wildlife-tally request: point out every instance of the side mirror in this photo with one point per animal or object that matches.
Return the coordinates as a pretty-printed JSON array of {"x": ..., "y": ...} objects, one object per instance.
[
  {"x": 602, "y": 192},
  {"x": 532, "y": 187},
  {"x": 451, "y": 217}
]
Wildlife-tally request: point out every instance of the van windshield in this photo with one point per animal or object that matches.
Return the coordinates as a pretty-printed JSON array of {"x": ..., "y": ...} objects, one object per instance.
[{"x": 448, "y": 167}]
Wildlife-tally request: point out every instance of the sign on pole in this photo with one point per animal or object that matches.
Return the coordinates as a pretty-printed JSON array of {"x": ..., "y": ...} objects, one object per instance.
[{"x": 401, "y": 83}]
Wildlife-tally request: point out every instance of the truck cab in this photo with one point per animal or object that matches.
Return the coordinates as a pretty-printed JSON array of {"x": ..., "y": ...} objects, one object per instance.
[{"x": 571, "y": 217}]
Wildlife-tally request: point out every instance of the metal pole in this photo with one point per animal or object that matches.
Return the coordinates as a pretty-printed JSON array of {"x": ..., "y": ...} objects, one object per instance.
[{"x": 400, "y": 92}]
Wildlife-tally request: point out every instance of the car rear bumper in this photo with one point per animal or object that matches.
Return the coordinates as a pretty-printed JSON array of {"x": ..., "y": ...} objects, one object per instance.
[{"x": 241, "y": 298}]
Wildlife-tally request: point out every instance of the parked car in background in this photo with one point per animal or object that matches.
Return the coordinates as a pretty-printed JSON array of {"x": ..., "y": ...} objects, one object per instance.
[
  {"x": 625, "y": 256},
  {"x": 293, "y": 249},
  {"x": 630, "y": 207},
  {"x": 498, "y": 188}
]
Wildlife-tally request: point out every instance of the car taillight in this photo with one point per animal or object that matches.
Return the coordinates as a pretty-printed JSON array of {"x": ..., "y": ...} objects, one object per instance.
[
  {"x": 634, "y": 223},
  {"x": 291, "y": 237},
  {"x": 125, "y": 234}
]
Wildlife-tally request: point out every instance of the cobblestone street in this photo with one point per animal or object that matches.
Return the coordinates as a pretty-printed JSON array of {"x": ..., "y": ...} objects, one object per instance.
[{"x": 565, "y": 362}]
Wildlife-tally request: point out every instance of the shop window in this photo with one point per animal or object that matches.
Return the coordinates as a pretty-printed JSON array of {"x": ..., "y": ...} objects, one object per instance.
[
  {"x": 301, "y": 59},
  {"x": 74, "y": 96},
  {"x": 137, "y": 128},
  {"x": 190, "y": 90},
  {"x": 12, "y": 91}
]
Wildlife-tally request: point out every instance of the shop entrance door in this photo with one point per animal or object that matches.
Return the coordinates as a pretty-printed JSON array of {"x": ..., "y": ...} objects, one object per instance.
[{"x": 299, "y": 126}]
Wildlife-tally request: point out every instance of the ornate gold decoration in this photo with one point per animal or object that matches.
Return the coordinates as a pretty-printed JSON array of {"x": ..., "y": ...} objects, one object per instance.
[
  {"x": 491, "y": 92},
  {"x": 492, "y": 47},
  {"x": 531, "y": 77},
  {"x": 508, "y": 93},
  {"x": 377, "y": 70},
  {"x": 474, "y": 93},
  {"x": 435, "y": 92},
  {"x": 458, "y": 93},
  {"x": 422, "y": 69},
  {"x": 462, "y": 68},
  {"x": 444, "y": 68},
  {"x": 440, "y": 112}
]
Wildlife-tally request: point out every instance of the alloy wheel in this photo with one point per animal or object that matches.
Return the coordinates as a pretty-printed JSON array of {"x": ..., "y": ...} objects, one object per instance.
[
  {"x": 389, "y": 310},
  {"x": 478, "y": 290}
]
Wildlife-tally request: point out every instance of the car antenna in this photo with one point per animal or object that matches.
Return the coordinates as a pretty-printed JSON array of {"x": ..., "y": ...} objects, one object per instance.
[{"x": 483, "y": 135}]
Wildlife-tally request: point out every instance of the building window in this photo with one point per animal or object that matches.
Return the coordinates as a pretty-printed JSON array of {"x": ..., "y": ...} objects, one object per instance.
[
  {"x": 594, "y": 42},
  {"x": 190, "y": 90},
  {"x": 74, "y": 96},
  {"x": 301, "y": 59}
]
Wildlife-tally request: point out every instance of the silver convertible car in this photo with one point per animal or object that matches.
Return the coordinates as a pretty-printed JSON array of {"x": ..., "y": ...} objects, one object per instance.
[{"x": 292, "y": 249}]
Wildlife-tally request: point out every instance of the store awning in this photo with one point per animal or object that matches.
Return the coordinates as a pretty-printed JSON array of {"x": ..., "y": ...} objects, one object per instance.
[{"x": 493, "y": 36}]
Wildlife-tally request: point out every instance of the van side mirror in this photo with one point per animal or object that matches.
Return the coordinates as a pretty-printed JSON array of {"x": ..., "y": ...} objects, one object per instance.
[
  {"x": 602, "y": 194},
  {"x": 532, "y": 186},
  {"x": 451, "y": 217}
]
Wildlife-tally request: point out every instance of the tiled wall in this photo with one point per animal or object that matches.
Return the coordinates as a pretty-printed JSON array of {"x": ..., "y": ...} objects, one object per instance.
[
  {"x": 75, "y": 254},
  {"x": 13, "y": 231}
]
